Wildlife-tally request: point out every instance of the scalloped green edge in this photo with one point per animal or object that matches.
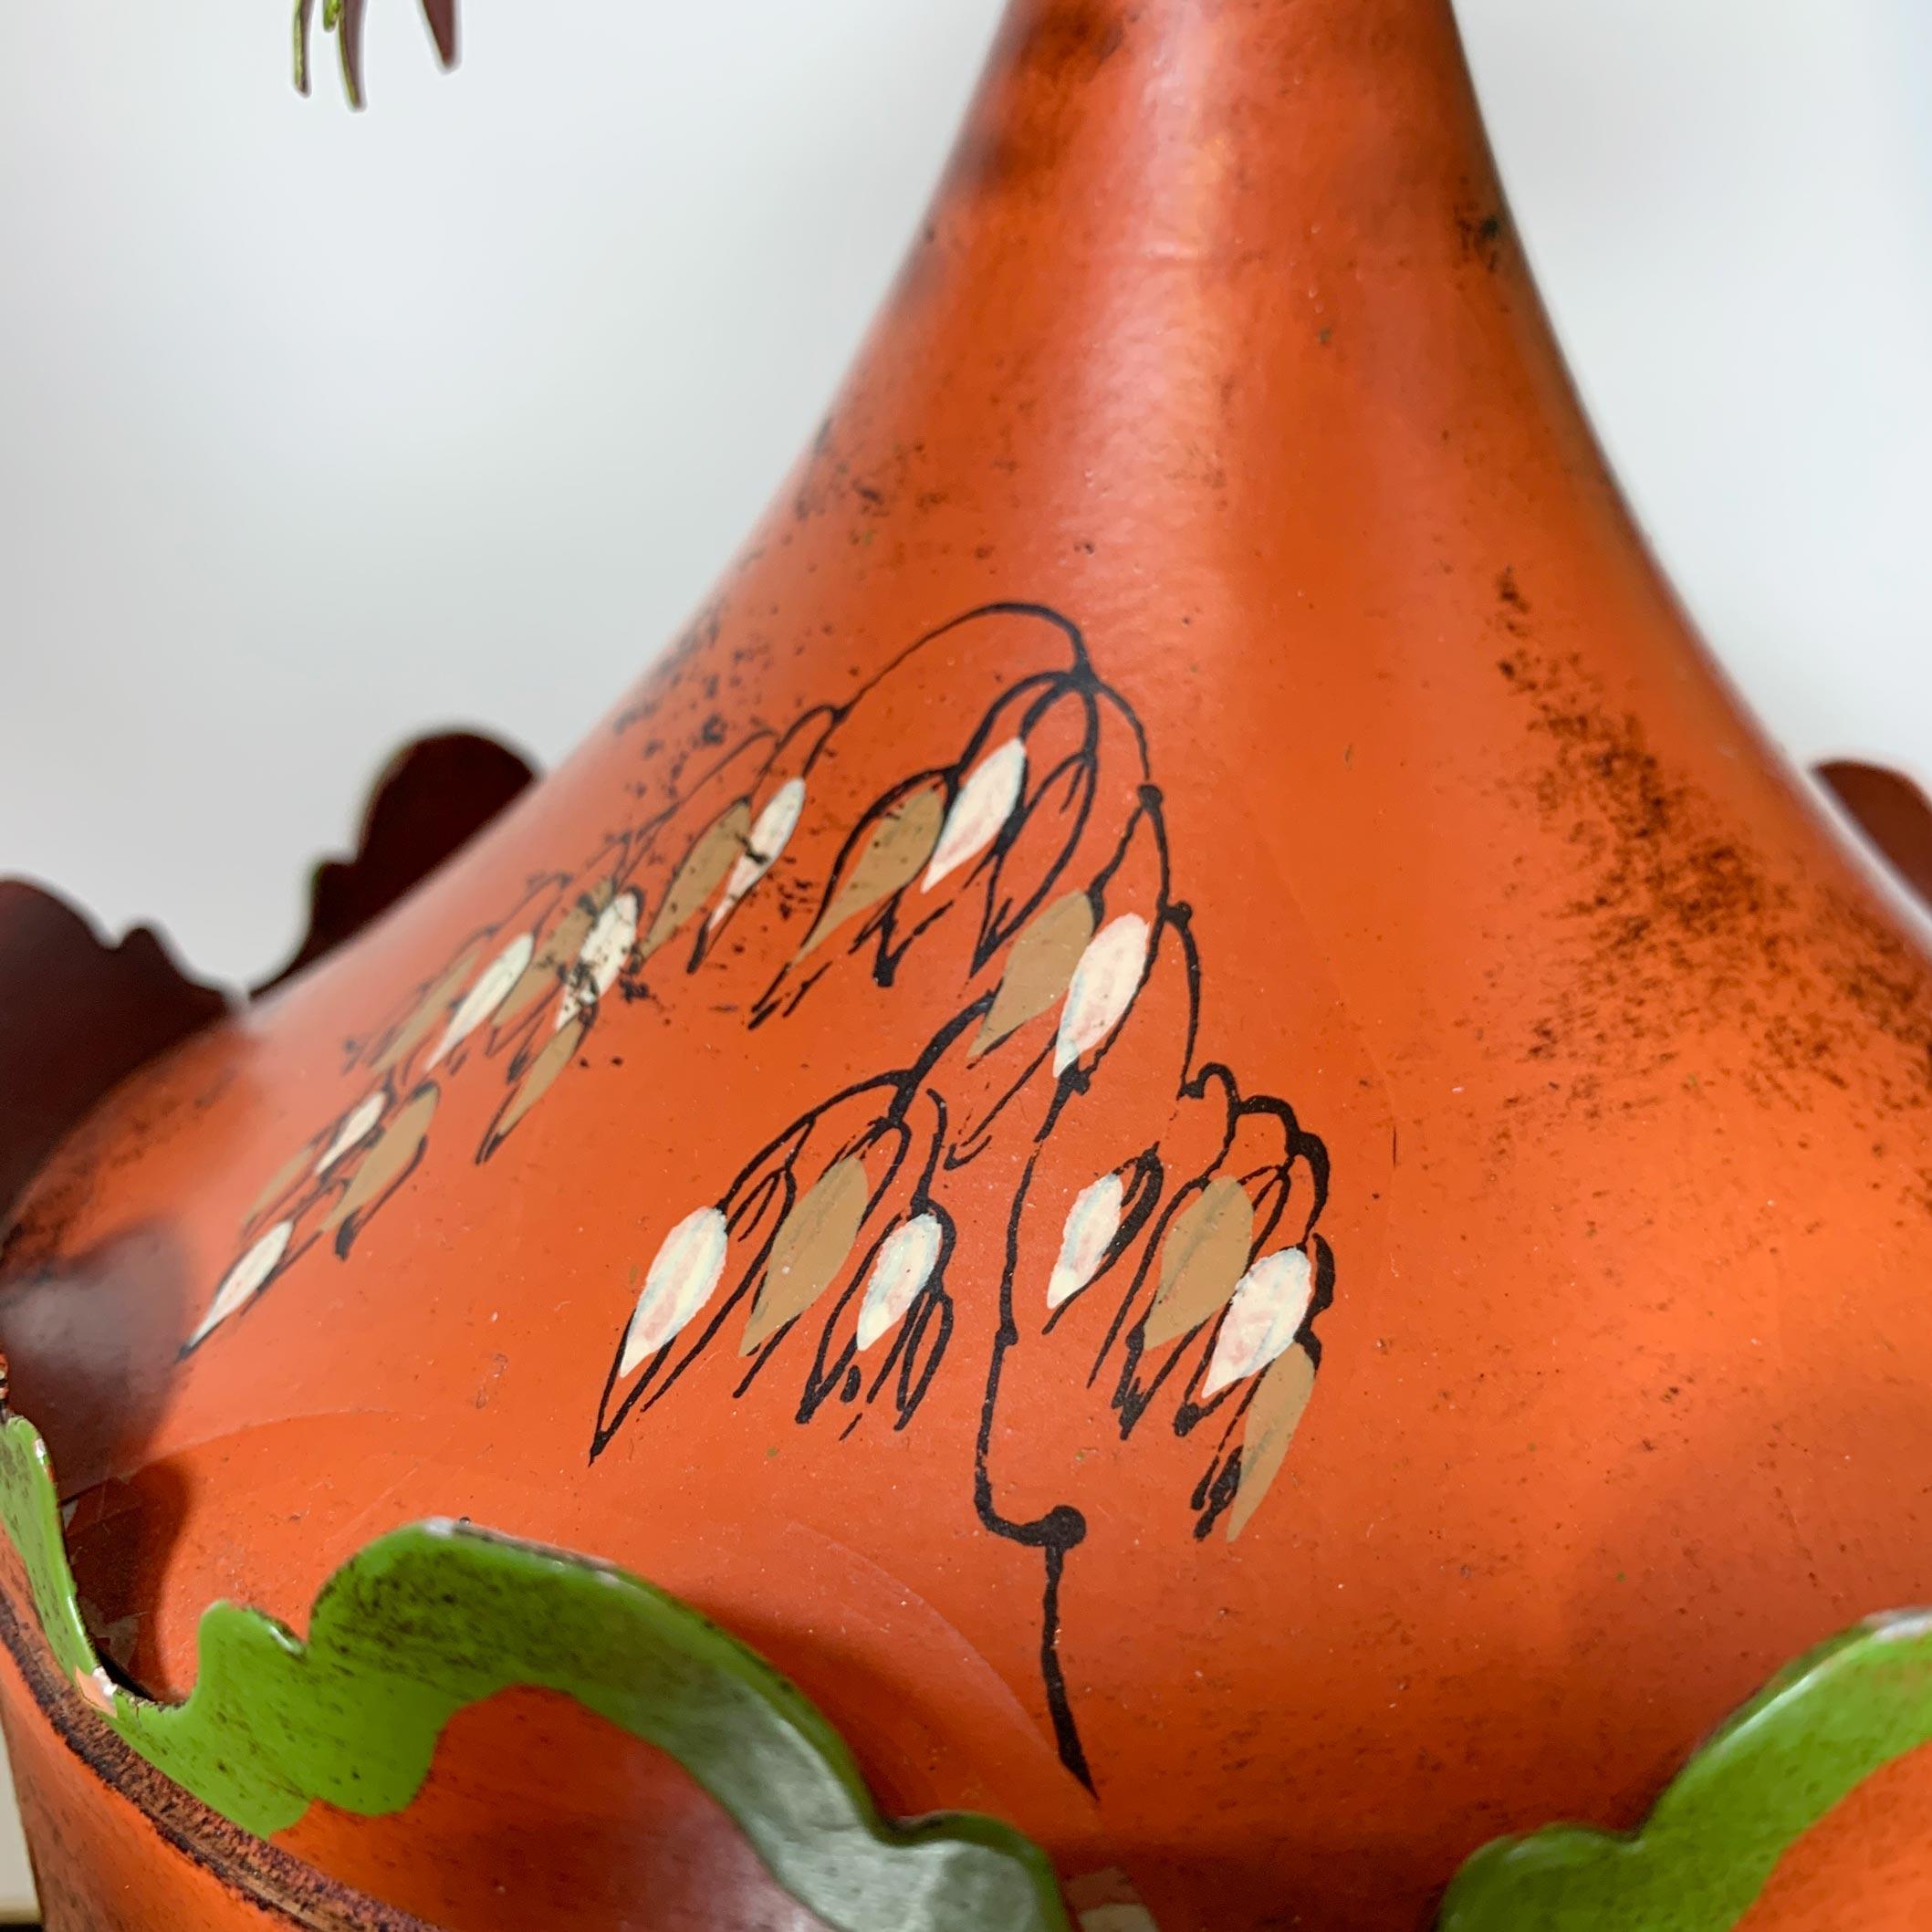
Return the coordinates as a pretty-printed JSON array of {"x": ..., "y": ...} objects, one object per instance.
[
  {"x": 439, "y": 1615},
  {"x": 1816, "y": 1731}
]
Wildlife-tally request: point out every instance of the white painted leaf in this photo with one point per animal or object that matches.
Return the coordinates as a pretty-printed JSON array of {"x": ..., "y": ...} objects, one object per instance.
[
  {"x": 1269, "y": 1306},
  {"x": 358, "y": 1124},
  {"x": 601, "y": 958},
  {"x": 985, "y": 803},
  {"x": 906, "y": 1258},
  {"x": 680, "y": 1282},
  {"x": 1092, "y": 1222},
  {"x": 490, "y": 988},
  {"x": 246, "y": 1279},
  {"x": 768, "y": 838},
  {"x": 1102, "y": 988}
]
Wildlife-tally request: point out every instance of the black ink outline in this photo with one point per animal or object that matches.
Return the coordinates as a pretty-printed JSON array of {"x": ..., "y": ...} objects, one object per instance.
[{"x": 1021, "y": 870}]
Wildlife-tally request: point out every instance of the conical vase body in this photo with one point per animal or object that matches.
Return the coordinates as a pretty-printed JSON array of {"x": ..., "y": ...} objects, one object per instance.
[{"x": 1181, "y": 1109}]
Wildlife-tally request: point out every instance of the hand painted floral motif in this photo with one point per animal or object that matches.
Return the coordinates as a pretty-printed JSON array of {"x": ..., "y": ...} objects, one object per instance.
[{"x": 1008, "y": 902}]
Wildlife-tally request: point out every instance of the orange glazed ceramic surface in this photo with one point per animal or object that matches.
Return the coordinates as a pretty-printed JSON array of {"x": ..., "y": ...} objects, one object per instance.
[{"x": 1180, "y": 1108}]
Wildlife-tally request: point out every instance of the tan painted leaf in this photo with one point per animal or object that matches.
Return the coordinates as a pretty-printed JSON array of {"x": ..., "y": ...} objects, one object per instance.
[
  {"x": 428, "y": 1011},
  {"x": 1039, "y": 969},
  {"x": 1272, "y": 1418},
  {"x": 279, "y": 1183},
  {"x": 558, "y": 1051},
  {"x": 810, "y": 1249},
  {"x": 388, "y": 1159},
  {"x": 898, "y": 849},
  {"x": 1202, "y": 1262},
  {"x": 703, "y": 872}
]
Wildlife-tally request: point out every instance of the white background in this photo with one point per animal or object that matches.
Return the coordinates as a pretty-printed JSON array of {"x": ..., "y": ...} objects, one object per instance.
[{"x": 319, "y": 428}]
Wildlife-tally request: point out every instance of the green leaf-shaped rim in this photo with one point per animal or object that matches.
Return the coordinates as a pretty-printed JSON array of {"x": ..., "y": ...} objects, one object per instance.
[
  {"x": 434, "y": 1617},
  {"x": 1816, "y": 1731}
]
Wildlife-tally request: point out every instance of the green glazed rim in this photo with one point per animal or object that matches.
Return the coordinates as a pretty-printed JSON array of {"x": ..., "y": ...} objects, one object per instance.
[
  {"x": 1813, "y": 1734},
  {"x": 439, "y": 1615}
]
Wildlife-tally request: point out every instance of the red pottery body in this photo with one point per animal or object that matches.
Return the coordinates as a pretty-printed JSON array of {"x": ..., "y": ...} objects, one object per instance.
[{"x": 1368, "y": 1144}]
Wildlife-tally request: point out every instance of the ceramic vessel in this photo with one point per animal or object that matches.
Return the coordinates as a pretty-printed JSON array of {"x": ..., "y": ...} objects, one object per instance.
[{"x": 1180, "y": 1111}]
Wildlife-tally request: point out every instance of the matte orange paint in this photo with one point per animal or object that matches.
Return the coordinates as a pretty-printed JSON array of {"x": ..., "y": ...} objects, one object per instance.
[{"x": 1220, "y": 343}]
